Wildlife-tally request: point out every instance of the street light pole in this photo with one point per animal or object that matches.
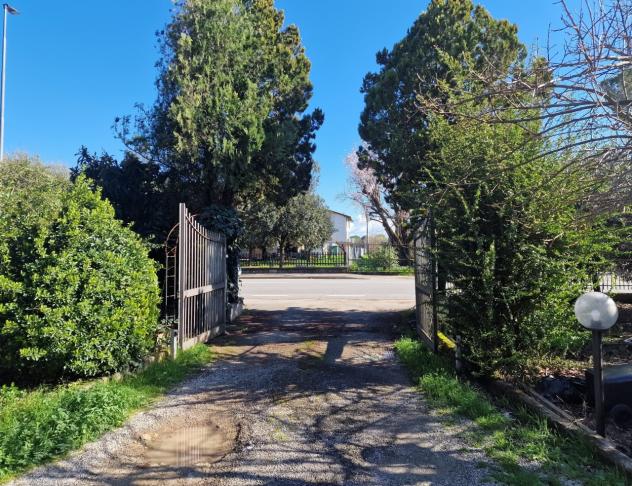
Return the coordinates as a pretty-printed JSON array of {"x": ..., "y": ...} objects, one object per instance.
[
  {"x": 7, "y": 9},
  {"x": 600, "y": 417},
  {"x": 597, "y": 312},
  {"x": 366, "y": 216}
]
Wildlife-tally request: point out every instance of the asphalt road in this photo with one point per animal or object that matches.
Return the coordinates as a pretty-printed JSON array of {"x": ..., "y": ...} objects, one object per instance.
[{"x": 327, "y": 288}]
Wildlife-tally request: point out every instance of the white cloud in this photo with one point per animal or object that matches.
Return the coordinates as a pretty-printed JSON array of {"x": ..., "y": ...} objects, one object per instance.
[{"x": 358, "y": 226}]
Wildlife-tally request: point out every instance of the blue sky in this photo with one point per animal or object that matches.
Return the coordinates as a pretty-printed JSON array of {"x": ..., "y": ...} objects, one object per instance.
[{"x": 74, "y": 66}]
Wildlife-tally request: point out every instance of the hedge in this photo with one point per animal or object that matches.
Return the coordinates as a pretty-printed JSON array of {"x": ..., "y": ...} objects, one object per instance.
[{"x": 79, "y": 294}]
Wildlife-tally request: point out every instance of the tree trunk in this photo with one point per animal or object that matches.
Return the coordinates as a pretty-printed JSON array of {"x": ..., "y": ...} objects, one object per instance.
[
  {"x": 232, "y": 255},
  {"x": 281, "y": 253},
  {"x": 404, "y": 255},
  {"x": 394, "y": 234},
  {"x": 394, "y": 227}
]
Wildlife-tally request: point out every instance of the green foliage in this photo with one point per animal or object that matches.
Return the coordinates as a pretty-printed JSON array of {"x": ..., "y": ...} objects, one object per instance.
[
  {"x": 512, "y": 239},
  {"x": 230, "y": 118},
  {"x": 222, "y": 219},
  {"x": 382, "y": 259},
  {"x": 260, "y": 219},
  {"x": 395, "y": 130},
  {"x": 515, "y": 235},
  {"x": 363, "y": 265},
  {"x": 622, "y": 224},
  {"x": 233, "y": 86},
  {"x": 555, "y": 323},
  {"x": 303, "y": 221},
  {"x": 40, "y": 425},
  {"x": 137, "y": 190},
  {"x": 509, "y": 442},
  {"x": 78, "y": 293},
  {"x": 385, "y": 257}
]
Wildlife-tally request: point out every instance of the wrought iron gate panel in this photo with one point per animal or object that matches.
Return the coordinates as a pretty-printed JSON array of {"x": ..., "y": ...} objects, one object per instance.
[
  {"x": 425, "y": 285},
  {"x": 195, "y": 281}
]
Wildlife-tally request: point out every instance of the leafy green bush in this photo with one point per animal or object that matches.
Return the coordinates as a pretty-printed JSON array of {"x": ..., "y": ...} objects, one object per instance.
[
  {"x": 382, "y": 259},
  {"x": 561, "y": 335},
  {"x": 78, "y": 292},
  {"x": 515, "y": 241}
]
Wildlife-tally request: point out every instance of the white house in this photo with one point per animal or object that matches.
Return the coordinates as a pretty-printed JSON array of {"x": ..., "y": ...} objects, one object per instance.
[{"x": 342, "y": 226}]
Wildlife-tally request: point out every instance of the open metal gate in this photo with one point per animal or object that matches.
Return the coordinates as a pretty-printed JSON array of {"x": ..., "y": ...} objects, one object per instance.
[
  {"x": 195, "y": 280},
  {"x": 426, "y": 285}
]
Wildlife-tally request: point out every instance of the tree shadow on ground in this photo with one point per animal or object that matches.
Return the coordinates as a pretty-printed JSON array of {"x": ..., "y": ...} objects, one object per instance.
[{"x": 318, "y": 398}]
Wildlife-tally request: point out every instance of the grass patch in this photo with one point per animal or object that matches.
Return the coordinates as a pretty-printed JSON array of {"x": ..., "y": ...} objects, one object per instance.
[
  {"x": 525, "y": 438},
  {"x": 394, "y": 270},
  {"x": 40, "y": 425}
]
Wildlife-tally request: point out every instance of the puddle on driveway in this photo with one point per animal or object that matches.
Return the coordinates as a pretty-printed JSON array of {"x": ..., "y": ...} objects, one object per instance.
[{"x": 190, "y": 446}]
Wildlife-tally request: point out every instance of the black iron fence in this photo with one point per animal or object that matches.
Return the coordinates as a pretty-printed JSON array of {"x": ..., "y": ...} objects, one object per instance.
[
  {"x": 353, "y": 255},
  {"x": 293, "y": 259}
]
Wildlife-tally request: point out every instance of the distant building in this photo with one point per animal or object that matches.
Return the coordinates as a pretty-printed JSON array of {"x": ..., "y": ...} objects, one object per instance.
[{"x": 342, "y": 226}]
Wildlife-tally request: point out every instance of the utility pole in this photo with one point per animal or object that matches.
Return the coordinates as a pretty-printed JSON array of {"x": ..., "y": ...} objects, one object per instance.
[
  {"x": 8, "y": 9},
  {"x": 366, "y": 216}
]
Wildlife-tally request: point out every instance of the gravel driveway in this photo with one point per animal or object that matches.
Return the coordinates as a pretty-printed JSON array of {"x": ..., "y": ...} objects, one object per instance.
[{"x": 308, "y": 394}]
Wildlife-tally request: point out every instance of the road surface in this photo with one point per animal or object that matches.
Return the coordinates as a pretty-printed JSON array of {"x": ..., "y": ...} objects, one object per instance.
[{"x": 338, "y": 287}]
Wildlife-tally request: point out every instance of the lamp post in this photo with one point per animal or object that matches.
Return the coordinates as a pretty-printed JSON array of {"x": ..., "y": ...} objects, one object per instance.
[
  {"x": 597, "y": 312},
  {"x": 8, "y": 9},
  {"x": 366, "y": 216}
]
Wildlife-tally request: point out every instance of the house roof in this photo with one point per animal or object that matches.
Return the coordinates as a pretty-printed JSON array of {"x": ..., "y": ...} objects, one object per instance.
[{"x": 341, "y": 214}]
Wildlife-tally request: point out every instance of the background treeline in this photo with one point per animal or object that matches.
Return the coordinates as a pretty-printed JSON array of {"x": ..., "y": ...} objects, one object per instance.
[{"x": 303, "y": 222}]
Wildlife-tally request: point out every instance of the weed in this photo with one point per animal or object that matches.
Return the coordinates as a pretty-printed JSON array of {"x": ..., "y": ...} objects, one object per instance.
[
  {"x": 514, "y": 443},
  {"x": 40, "y": 425}
]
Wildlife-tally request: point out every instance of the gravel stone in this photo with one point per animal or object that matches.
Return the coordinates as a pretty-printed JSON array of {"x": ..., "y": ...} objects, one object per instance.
[{"x": 314, "y": 396}]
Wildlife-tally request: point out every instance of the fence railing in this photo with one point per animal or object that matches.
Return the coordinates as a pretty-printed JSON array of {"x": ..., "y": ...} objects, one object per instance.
[
  {"x": 339, "y": 255},
  {"x": 611, "y": 282},
  {"x": 297, "y": 259},
  {"x": 195, "y": 280}
]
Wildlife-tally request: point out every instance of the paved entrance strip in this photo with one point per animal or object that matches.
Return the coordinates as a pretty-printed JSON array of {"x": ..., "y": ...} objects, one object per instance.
[{"x": 306, "y": 391}]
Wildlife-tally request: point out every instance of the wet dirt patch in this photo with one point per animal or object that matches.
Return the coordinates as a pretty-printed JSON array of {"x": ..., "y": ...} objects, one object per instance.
[{"x": 190, "y": 445}]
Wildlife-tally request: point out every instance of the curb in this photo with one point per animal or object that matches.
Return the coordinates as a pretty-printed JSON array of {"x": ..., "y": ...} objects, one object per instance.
[
  {"x": 323, "y": 276},
  {"x": 286, "y": 271}
]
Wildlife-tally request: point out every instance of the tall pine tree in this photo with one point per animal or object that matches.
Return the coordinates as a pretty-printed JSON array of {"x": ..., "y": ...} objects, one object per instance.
[
  {"x": 393, "y": 126},
  {"x": 229, "y": 119}
]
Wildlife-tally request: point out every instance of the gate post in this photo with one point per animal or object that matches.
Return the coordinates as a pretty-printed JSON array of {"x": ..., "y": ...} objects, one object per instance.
[
  {"x": 182, "y": 270},
  {"x": 434, "y": 274},
  {"x": 227, "y": 309}
]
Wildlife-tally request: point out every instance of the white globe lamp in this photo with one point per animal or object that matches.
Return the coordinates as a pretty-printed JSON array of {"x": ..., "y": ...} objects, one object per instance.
[{"x": 597, "y": 312}]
